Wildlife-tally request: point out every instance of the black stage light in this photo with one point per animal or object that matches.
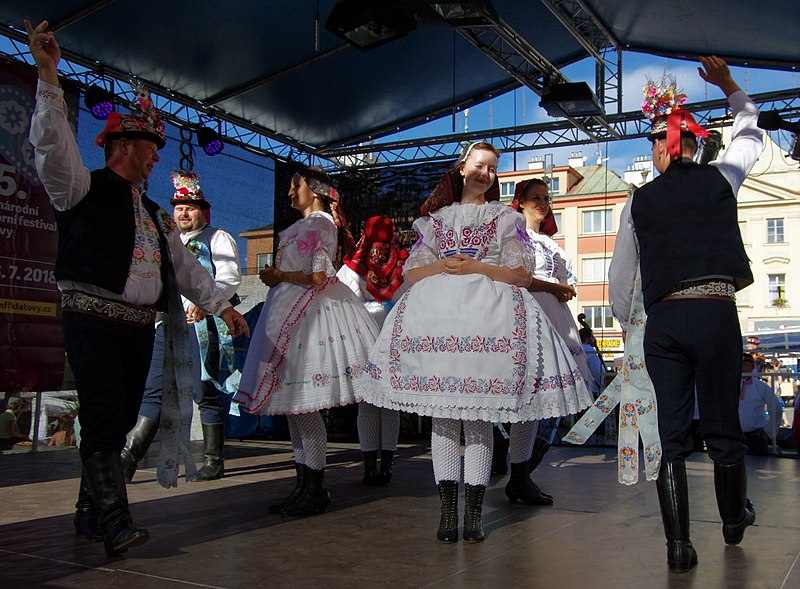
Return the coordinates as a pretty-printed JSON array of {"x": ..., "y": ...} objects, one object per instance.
[
  {"x": 99, "y": 101},
  {"x": 574, "y": 99},
  {"x": 368, "y": 24},
  {"x": 209, "y": 140},
  {"x": 458, "y": 14},
  {"x": 709, "y": 147}
]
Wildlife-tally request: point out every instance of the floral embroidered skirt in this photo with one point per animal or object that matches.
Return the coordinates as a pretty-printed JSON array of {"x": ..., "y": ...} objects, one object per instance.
[
  {"x": 561, "y": 317},
  {"x": 306, "y": 348},
  {"x": 466, "y": 347}
]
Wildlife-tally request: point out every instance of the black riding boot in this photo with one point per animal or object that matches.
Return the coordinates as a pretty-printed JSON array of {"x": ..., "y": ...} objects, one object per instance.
[
  {"x": 473, "y": 500},
  {"x": 110, "y": 499},
  {"x": 735, "y": 509},
  {"x": 673, "y": 498},
  {"x": 213, "y": 463},
  {"x": 372, "y": 478},
  {"x": 387, "y": 460},
  {"x": 139, "y": 440},
  {"x": 315, "y": 497},
  {"x": 448, "y": 522},
  {"x": 299, "y": 487},
  {"x": 85, "y": 519},
  {"x": 520, "y": 486},
  {"x": 499, "y": 450},
  {"x": 540, "y": 448}
]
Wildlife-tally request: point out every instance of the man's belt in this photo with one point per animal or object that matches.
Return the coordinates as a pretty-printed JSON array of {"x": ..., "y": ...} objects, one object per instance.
[
  {"x": 73, "y": 300},
  {"x": 703, "y": 289}
]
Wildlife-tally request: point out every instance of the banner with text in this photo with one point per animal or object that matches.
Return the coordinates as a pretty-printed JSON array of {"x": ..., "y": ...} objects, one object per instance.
[{"x": 31, "y": 338}]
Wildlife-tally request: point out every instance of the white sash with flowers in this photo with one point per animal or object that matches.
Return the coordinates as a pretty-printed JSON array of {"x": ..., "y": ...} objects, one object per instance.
[{"x": 633, "y": 391}]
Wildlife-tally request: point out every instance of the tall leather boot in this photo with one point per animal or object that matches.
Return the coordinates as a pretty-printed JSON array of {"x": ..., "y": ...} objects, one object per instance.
[
  {"x": 301, "y": 471},
  {"x": 735, "y": 509},
  {"x": 315, "y": 497},
  {"x": 540, "y": 448},
  {"x": 137, "y": 444},
  {"x": 372, "y": 478},
  {"x": 213, "y": 463},
  {"x": 448, "y": 522},
  {"x": 85, "y": 520},
  {"x": 499, "y": 450},
  {"x": 673, "y": 498},
  {"x": 473, "y": 499},
  {"x": 520, "y": 486},
  {"x": 387, "y": 461},
  {"x": 110, "y": 499}
]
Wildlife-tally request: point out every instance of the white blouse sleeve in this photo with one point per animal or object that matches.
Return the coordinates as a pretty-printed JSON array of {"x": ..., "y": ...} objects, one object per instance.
[
  {"x": 515, "y": 250},
  {"x": 424, "y": 251},
  {"x": 316, "y": 242}
]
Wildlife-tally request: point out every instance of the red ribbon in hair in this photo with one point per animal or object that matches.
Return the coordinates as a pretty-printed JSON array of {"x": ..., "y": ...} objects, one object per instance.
[{"x": 677, "y": 121}]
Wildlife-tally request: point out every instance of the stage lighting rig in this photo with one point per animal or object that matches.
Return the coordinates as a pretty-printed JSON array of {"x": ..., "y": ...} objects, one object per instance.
[
  {"x": 99, "y": 101},
  {"x": 771, "y": 120},
  {"x": 209, "y": 140}
]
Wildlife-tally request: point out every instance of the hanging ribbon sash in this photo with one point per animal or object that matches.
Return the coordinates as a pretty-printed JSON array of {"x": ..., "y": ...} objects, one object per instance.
[{"x": 633, "y": 391}]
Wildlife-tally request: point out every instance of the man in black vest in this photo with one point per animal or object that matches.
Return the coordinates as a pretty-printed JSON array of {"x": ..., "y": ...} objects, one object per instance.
[
  {"x": 217, "y": 251},
  {"x": 681, "y": 232},
  {"x": 118, "y": 260}
]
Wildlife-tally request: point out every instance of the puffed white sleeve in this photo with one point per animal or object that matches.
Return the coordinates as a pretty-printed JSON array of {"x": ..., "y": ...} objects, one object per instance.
[
  {"x": 350, "y": 279},
  {"x": 424, "y": 251},
  {"x": 515, "y": 245},
  {"x": 623, "y": 268},
  {"x": 316, "y": 242},
  {"x": 58, "y": 161}
]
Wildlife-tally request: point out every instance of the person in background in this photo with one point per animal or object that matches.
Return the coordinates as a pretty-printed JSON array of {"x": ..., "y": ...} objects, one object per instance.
[
  {"x": 758, "y": 403},
  {"x": 9, "y": 431},
  {"x": 217, "y": 251},
  {"x": 312, "y": 338},
  {"x": 375, "y": 274}
]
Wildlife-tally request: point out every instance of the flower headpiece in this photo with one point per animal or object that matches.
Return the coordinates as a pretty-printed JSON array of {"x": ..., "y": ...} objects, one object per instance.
[
  {"x": 187, "y": 190},
  {"x": 662, "y": 104},
  {"x": 142, "y": 122}
]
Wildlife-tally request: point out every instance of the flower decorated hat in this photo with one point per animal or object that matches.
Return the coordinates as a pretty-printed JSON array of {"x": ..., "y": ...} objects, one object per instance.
[
  {"x": 187, "y": 190},
  {"x": 663, "y": 105},
  {"x": 143, "y": 122}
]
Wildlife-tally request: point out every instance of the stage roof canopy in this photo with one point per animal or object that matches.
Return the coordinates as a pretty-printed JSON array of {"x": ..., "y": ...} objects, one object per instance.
[{"x": 256, "y": 61}]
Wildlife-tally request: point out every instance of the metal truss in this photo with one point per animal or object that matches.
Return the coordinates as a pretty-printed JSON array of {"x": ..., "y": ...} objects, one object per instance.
[
  {"x": 711, "y": 114},
  {"x": 587, "y": 29},
  {"x": 510, "y": 50},
  {"x": 180, "y": 110}
]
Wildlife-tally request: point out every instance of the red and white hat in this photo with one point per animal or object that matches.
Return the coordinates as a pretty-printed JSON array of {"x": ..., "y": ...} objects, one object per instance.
[{"x": 143, "y": 122}]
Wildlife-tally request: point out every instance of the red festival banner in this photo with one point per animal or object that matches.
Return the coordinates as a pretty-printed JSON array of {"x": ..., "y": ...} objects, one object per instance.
[{"x": 31, "y": 338}]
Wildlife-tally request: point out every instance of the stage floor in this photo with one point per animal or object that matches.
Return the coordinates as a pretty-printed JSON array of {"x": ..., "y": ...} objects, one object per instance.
[{"x": 598, "y": 534}]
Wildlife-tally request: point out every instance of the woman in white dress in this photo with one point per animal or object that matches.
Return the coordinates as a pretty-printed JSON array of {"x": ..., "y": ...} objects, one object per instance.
[
  {"x": 467, "y": 344},
  {"x": 552, "y": 286},
  {"x": 375, "y": 274},
  {"x": 312, "y": 338}
]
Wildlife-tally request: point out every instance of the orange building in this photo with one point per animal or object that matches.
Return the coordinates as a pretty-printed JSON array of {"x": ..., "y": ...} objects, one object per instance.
[
  {"x": 587, "y": 203},
  {"x": 260, "y": 243}
]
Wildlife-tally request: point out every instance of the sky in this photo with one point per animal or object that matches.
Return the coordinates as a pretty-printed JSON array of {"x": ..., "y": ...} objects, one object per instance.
[{"x": 240, "y": 185}]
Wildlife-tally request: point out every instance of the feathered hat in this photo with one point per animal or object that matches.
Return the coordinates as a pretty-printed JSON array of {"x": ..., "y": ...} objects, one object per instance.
[
  {"x": 662, "y": 104},
  {"x": 143, "y": 122}
]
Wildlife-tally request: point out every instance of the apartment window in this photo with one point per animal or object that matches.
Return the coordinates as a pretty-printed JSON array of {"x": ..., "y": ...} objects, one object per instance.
[
  {"x": 595, "y": 270},
  {"x": 776, "y": 283},
  {"x": 507, "y": 189},
  {"x": 599, "y": 317},
  {"x": 774, "y": 230},
  {"x": 597, "y": 221},
  {"x": 557, "y": 217},
  {"x": 555, "y": 185},
  {"x": 264, "y": 260}
]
